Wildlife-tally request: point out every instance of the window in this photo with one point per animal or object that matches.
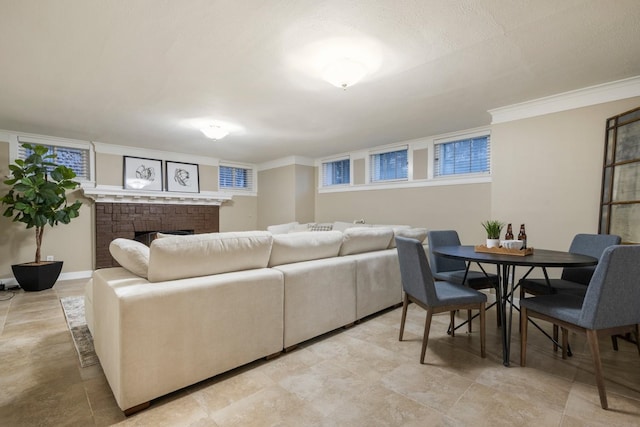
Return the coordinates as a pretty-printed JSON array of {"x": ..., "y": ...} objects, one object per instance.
[
  {"x": 464, "y": 156},
  {"x": 336, "y": 172},
  {"x": 77, "y": 159},
  {"x": 235, "y": 178},
  {"x": 389, "y": 166}
]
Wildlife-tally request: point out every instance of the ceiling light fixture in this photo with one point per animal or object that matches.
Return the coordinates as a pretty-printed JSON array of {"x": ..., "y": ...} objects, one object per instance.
[
  {"x": 344, "y": 72},
  {"x": 214, "y": 132}
]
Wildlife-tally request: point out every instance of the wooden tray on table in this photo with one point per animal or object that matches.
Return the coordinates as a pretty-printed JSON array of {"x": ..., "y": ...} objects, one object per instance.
[{"x": 504, "y": 251}]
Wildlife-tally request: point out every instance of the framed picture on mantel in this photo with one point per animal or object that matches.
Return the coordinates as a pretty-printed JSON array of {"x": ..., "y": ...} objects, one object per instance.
[
  {"x": 182, "y": 177},
  {"x": 142, "y": 174}
]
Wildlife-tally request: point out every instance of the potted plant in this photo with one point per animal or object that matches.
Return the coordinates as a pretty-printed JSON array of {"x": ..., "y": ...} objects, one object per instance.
[
  {"x": 37, "y": 197},
  {"x": 493, "y": 229}
]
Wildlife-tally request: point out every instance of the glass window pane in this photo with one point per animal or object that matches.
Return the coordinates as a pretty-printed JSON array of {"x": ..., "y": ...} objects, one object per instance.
[
  {"x": 628, "y": 144},
  {"x": 626, "y": 182},
  {"x": 624, "y": 222}
]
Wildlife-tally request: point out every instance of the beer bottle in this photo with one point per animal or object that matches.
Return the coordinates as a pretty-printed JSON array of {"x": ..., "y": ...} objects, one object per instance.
[
  {"x": 523, "y": 236},
  {"x": 509, "y": 235}
]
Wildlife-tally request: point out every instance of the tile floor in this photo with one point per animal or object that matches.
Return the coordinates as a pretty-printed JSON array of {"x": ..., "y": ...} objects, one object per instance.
[{"x": 361, "y": 376}]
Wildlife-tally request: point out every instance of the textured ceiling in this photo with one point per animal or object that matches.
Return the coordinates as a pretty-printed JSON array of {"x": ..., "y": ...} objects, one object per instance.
[{"x": 140, "y": 72}]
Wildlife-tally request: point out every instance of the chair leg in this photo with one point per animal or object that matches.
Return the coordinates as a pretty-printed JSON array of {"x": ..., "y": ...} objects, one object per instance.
[
  {"x": 614, "y": 342},
  {"x": 469, "y": 316},
  {"x": 425, "y": 337},
  {"x": 453, "y": 323},
  {"x": 483, "y": 352},
  {"x": 592, "y": 337},
  {"x": 636, "y": 332},
  {"x": 405, "y": 303},
  {"x": 523, "y": 336},
  {"x": 565, "y": 343},
  {"x": 555, "y": 337}
]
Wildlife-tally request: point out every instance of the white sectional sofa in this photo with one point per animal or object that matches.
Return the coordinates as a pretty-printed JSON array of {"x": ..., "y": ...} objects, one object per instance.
[{"x": 191, "y": 307}]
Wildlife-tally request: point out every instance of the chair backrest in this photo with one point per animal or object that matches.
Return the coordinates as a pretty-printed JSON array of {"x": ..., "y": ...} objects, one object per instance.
[
  {"x": 439, "y": 238},
  {"x": 613, "y": 295},
  {"x": 415, "y": 273},
  {"x": 591, "y": 245}
]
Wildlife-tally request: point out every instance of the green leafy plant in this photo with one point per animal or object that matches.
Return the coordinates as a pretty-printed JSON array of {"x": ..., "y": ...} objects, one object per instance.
[
  {"x": 38, "y": 193},
  {"x": 493, "y": 228}
]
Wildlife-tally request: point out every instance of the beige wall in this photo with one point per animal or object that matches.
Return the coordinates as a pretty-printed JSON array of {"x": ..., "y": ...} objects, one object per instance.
[
  {"x": 240, "y": 214},
  {"x": 460, "y": 207},
  {"x": 276, "y": 201},
  {"x": 547, "y": 172},
  {"x": 305, "y": 177},
  {"x": 286, "y": 194},
  {"x": 109, "y": 169}
]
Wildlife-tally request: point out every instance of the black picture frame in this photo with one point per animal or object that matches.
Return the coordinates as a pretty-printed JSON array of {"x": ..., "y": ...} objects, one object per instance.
[
  {"x": 182, "y": 177},
  {"x": 139, "y": 173}
]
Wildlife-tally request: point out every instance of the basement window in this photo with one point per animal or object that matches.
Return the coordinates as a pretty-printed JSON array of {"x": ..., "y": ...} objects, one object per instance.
[
  {"x": 389, "y": 165},
  {"x": 462, "y": 156},
  {"x": 76, "y": 158},
  {"x": 336, "y": 172},
  {"x": 235, "y": 178}
]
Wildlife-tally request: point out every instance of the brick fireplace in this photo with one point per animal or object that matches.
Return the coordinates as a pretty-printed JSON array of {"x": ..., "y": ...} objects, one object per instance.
[{"x": 115, "y": 220}]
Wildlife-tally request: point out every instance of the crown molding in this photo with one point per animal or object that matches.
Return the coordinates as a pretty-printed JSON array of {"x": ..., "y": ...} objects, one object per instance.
[{"x": 607, "y": 92}]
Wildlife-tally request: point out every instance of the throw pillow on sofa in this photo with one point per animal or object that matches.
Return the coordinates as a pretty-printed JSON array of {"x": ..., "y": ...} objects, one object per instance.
[{"x": 132, "y": 255}]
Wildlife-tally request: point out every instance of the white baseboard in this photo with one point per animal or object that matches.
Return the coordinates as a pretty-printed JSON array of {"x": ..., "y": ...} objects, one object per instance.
[{"x": 73, "y": 275}]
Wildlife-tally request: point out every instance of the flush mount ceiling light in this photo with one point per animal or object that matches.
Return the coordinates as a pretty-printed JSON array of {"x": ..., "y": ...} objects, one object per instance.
[
  {"x": 214, "y": 132},
  {"x": 344, "y": 72}
]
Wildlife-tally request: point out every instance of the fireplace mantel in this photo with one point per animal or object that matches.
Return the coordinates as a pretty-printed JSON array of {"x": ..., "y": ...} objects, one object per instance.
[{"x": 113, "y": 194}]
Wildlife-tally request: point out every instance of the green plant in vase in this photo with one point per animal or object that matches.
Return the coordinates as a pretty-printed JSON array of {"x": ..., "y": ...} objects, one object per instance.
[
  {"x": 493, "y": 229},
  {"x": 37, "y": 197}
]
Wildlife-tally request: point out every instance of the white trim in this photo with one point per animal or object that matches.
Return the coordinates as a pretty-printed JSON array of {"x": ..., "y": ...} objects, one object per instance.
[
  {"x": 286, "y": 161},
  {"x": 123, "y": 150},
  {"x": 612, "y": 91},
  {"x": 116, "y": 194},
  {"x": 73, "y": 275}
]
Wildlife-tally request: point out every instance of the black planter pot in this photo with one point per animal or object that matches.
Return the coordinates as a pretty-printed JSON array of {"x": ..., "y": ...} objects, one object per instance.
[{"x": 37, "y": 277}]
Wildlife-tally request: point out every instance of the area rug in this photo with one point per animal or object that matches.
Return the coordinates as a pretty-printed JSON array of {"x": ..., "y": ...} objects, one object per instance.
[{"x": 73, "y": 308}]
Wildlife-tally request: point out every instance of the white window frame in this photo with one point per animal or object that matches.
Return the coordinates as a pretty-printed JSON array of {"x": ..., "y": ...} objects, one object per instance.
[
  {"x": 452, "y": 138},
  {"x": 389, "y": 149},
  {"x": 253, "y": 191},
  {"x": 331, "y": 160},
  {"x": 17, "y": 139}
]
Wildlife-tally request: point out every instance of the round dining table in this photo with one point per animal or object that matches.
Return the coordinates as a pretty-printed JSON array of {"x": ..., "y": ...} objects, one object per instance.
[{"x": 505, "y": 265}]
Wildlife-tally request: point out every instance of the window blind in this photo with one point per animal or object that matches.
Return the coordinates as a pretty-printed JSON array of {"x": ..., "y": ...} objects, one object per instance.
[
  {"x": 77, "y": 159},
  {"x": 464, "y": 156},
  {"x": 235, "y": 178},
  {"x": 336, "y": 172},
  {"x": 388, "y": 166}
]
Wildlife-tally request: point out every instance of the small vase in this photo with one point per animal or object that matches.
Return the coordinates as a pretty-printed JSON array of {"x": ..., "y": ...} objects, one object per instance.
[{"x": 493, "y": 243}]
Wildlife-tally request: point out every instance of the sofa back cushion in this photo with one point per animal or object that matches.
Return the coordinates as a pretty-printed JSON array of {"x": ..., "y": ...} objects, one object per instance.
[
  {"x": 282, "y": 228},
  {"x": 304, "y": 246},
  {"x": 413, "y": 233},
  {"x": 181, "y": 257},
  {"x": 365, "y": 239},
  {"x": 132, "y": 255}
]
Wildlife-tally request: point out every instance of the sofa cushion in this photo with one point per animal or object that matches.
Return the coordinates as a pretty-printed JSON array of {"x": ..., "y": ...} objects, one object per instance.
[
  {"x": 132, "y": 255},
  {"x": 365, "y": 239},
  {"x": 413, "y": 233},
  {"x": 196, "y": 255},
  {"x": 304, "y": 246},
  {"x": 282, "y": 228}
]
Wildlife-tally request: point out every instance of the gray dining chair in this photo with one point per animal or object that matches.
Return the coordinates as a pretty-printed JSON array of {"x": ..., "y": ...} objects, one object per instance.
[
  {"x": 610, "y": 306},
  {"x": 574, "y": 280},
  {"x": 453, "y": 270},
  {"x": 435, "y": 297}
]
